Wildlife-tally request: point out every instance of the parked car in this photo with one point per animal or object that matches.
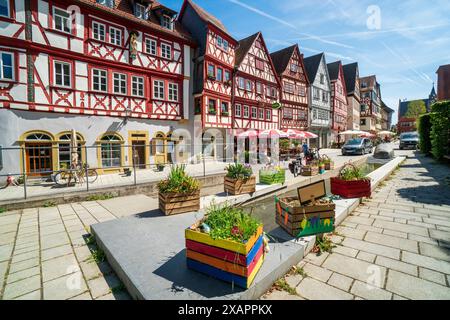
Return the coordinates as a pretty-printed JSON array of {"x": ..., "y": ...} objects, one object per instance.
[
  {"x": 409, "y": 140},
  {"x": 357, "y": 146}
]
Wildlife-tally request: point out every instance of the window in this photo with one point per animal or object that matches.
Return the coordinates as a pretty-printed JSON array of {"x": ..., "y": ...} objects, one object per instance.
[
  {"x": 139, "y": 11},
  {"x": 254, "y": 112},
  {"x": 224, "y": 108},
  {"x": 98, "y": 31},
  {"x": 241, "y": 83},
  {"x": 238, "y": 110},
  {"x": 288, "y": 87},
  {"x": 173, "y": 92},
  {"x": 99, "y": 80},
  {"x": 288, "y": 113},
  {"x": 271, "y": 92},
  {"x": 248, "y": 85},
  {"x": 261, "y": 114},
  {"x": 6, "y": 66},
  {"x": 115, "y": 36},
  {"x": 109, "y": 3},
  {"x": 316, "y": 94},
  {"x": 302, "y": 91},
  {"x": 111, "y": 152},
  {"x": 225, "y": 45},
  {"x": 219, "y": 41},
  {"x": 64, "y": 150},
  {"x": 259, "y": 64},
  {"x": 150, "y": 46},
  {"x": 302, "y": 115},
  {"x": 363, "y": 108},
  {"x": 294, "y": 67},
  {"x": 211, "y": 71},
  {"x": 222, "y": 43},
  {"x": 212, "y": 106},
  {"x": 227, "y": 76},
  {"x": 137, "y": 86},
  {"x": 246, "y": 112},
  {"x": 62, "y": 74},
  {"x": 158, "y": 89},
  {"x": 268, "y": 114},
  {"x": 322, "y": 78},
  {"x": 119, "y": 83},
  {"x": 219, "y": 74},
  {"x": 363, "y": 85},
  {"x": 4, "y": 8},
  {"x": 61, "y": 20},
  {"x": 324, "y": 96},
  {"x": 166, "y": 22},
  {"x": 259, "y": 87},
  {"x": 166, "y": 51},
  {"x": 363, "y": 122}
]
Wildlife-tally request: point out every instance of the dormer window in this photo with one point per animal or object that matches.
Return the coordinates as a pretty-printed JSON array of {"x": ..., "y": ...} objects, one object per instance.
[
  {"x": 166, "y": 22},
  {"x": 294, "y": 67},
  {"x": 139, "y": 11},
  {"x": 108, "y": 3},
  {"x": 5, "y": 10}
]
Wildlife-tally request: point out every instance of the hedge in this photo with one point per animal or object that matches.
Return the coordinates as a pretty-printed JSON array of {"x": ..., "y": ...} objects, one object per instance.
[
  {"x": 424, "y": 127},
  {"x": 440, "y": 129}
]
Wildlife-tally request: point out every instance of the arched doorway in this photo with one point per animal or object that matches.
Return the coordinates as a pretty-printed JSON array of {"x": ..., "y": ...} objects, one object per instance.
[
  {"x": 38, "y": 154},
  {"x": 159, "y": 144}
]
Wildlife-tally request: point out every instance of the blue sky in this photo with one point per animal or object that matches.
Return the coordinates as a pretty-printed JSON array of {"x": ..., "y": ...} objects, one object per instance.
[{"x": 402, "y": 42}]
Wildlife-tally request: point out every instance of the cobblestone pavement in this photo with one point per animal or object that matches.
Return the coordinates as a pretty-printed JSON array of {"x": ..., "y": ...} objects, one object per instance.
[{"x": 394, "y": 246}]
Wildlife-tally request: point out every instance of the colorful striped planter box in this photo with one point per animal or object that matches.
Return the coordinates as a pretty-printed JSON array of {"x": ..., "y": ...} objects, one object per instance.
[{"x": 226, "y": 260}]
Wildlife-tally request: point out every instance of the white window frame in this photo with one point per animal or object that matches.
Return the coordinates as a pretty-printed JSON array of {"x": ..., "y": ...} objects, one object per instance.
[
  {"x": 99, "y": 26},
  {"x": 255, "y": 116},
  {"x": 121, "y": 78},
  {"x": 62, "y": 85},
  {"x": 260, "y": 113},
  {"x": 2, "y": 76},
  {"x": 241, "y": 83},
  {"x": 166, "y": 22},
  {"x": 140, "y": 11},
  {"x": 117, "y": 39},
  {"x": 164, "y": 48},
  {"x": 157, "y": 86},
  {"x": 259, "y": 88},
  {"x": 269, "y": 114},
  {"x": 151, "y": 46},
  {"x": 246, "y": 111},
  {"x": 238, "y": 110},
  {"x": 100, "y": 77},
  {"x": 8, "y": 7},
  {"x": 173, "y": 92},
  {"x": 69, "y": 20},
  {"x": 137, "y": 86}
]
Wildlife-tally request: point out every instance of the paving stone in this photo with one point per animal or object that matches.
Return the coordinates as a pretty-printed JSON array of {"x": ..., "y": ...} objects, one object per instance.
[
  {"x": 352, "y": 267},
  {"x": 3, "y": 268},
  {"x": 422, "y": 224},
  {"x": 440, "y": 235},
  {"x": 83, "y": 296},
  {"x": 339, "y": 281},
  {"x": 23, "y": 274},
  {"x": 316, "y": 272},
  {"x": 390, "y": 219},
  {"x": 370, "y": 292},
  {"x": 7, "y": 238},
  {"x": 315, "y": 290},
  {"x": 22, "y": 265},
  {"x": 397, "y": 234},
  {"x": 56, "y": 252},
  {"x": 82, "y": 253},
  {"x": 24, "y": 256},
  {"x": 315, "y": 259},
  {"x": 360, "y": 220},
  {"x": 397, "y": 265},
  {"x": 54, "y": 240},
  {"x": 434, "y": 251},
  {"x": 391, "y": 241},
  {"x": 19, "y": 288},
  {"x": 422, "y": 239},
  {"x": 35, "y": 295},
  {"x": 426, "y": 262},
  {"x": 103, "y": 285},
  {"x": 397, "y": 297},
  {"x": 346, "y": 251},
  {"x": 396, "y": 206},
  {"x": 90, "y": 269},
  {"x": 432, "y": 276},
  {"x": 401, "y": 227},
  {"x": 8, "y": 228},
  {"x": 369, "y": 228},
  {"x": 5, "y": 252},
  {"x": 293, "y": 280},
  {"x": 348, "y": 224},
  {"x": 65, "y": 287},
  {"x": 123, "y": 295},
  {"x": 415, "y": 288},
  {"x": 57, "y": 228},
  {"x": 350, "y": 232},
  {"x": 368, "y": 257},
  {"x": 58, "y": 267},
  {"x": 372, "y": 248}
]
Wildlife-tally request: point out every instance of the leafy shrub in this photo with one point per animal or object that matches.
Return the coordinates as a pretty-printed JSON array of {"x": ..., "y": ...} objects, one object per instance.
[
  {"x": 104, "y": 196},
  {"x": 49, "y": 203},
  {"x": 2, "y": 210},
  {"x": 440, "y": 128},
  {"x": 239, "y": 171},
  {"x": 351, "y": 172},
  {"x": 228, "y": 222},
  {"x": 178, "y": 181},
  {"x": 424, "y": 127}
]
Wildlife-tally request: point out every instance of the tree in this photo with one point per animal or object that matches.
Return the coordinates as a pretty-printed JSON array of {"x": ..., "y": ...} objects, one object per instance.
[{"x": 415, "y": 109}]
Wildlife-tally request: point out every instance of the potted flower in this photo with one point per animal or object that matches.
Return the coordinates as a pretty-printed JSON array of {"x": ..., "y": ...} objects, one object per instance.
[
  {"x": 311, "y": 169},
  {"x": 321, "y": 165},
  {"x": 329, "y": 164},
  {"x": 179, "y": 193},
  {"x": 239, "y": 179},
  {"x": 227, "y": 244},
  {"x": 351, "y": 183},
  {"x": 272, "y": 175}
]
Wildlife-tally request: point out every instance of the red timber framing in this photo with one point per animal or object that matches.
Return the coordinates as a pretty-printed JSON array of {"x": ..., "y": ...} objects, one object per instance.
[
  {"x": 290, "y": 68},
  {"x": 83, "y": 53},
  {"x": 338, "y": 97},
  {"x": 256, "y": 86}
]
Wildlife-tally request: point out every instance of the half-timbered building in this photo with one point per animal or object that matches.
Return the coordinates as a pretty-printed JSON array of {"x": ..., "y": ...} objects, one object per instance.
[
  {"x": 351, "y": 75},
  {"x": 113, "y": 70},
  {"x": 338, "y": 100},
  {"x": 370, "y": 104},
  {"x": 289, "y": 66},
  {"x": 256, "y": 87}
]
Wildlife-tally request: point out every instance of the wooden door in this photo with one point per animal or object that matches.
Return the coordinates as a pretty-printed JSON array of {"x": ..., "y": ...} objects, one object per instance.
[
  {"x": 138, "y": 154},
  {"x": 39, "y": 159},
  {"x": 160, "y": 149}
]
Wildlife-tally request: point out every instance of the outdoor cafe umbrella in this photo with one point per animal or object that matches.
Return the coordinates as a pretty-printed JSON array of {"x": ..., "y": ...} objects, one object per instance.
[
  {"x": 292, "y": 133},
  {"x": 386, "y": 133},
  {"x": 73, "y": 148},
  {"x": 352, "y": 133},
  {"x": 273, "y": 132},
  {"x": 307, "y": 135},
  {"x": 248, "y": 134},
  {"x": 367, "y": 135}
]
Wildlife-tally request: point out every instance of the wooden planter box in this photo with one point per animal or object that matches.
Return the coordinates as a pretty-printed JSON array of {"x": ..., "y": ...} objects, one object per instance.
[
  {"x": 175, "y": 203},
  {"x": 305, "y": 219},
  {"x": 272, "y": 178},
  {"x": 309, "y": 171},
  {"x": 351, "y": 189},
  {"x": 226, "y": 260},
  {"x": 329, "y": 166},
  {"x": 240, "y": 186}
]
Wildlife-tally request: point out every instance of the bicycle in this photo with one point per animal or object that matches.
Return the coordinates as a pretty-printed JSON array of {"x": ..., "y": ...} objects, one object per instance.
[{"x": 64, "y": 177}]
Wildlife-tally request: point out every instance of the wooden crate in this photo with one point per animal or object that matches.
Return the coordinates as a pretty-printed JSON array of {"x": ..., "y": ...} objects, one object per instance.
[
  {"x": 329, "y": 166},
  {"x": 226, "y": 260},
  {"x": 175, "y": 203},
  {"x": 309, "y": 171},
  {"x": 240, "y": 186}
]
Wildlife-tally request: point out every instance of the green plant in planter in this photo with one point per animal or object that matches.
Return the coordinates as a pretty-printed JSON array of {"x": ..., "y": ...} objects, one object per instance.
[
  {"x": 178, "y": 181},
  {"x": 351, "y": 173},
  {"x": 239, "y": 171},
  {"x": 231, "y": 223}
]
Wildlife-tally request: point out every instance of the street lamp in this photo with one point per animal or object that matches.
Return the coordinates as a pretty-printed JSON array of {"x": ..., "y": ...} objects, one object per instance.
[{"x": 127, "y": 115}]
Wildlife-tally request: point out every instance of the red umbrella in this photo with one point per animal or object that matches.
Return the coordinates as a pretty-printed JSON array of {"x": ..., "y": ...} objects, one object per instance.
[
  {"x": 248, "y": 134},
  {"x": 307, "y": 135},
  {"x": 292, "y": 133},
  {"x": 273, "y": 132}
]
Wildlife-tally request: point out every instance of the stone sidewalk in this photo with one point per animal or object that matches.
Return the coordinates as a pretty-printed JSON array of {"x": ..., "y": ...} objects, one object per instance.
[{"x": 394, "y": 246}]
